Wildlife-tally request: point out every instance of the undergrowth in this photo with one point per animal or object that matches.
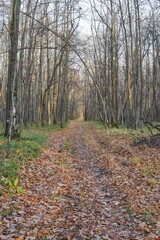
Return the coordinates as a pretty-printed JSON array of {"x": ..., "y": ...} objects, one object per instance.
[
  {"x": 28, "y": 147},
  {"x": 121, "y": 130}
]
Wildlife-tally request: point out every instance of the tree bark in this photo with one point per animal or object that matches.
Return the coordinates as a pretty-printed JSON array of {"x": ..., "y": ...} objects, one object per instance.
[{"x": 11, "y": 107}]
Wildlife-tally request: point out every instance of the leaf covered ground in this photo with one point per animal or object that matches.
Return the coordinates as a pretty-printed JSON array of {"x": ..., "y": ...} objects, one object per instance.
[{"x": 100, "y": 186}]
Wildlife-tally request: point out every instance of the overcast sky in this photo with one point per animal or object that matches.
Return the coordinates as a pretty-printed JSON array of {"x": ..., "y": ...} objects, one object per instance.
[{"x": 85, "y": 21}]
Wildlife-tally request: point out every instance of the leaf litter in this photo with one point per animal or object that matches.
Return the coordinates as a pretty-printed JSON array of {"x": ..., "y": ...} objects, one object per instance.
[{"x": 99, "y": 186}]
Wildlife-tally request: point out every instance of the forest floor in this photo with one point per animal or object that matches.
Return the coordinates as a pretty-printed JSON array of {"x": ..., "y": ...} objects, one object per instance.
[{"x": 100, "y": 186}]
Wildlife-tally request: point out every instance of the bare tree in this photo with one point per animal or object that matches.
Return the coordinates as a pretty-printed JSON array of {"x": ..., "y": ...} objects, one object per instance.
[{"x": 11, "y": 105}]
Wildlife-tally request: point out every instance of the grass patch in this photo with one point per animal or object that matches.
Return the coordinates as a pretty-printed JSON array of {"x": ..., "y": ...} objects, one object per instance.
[
  {"x": 146, "y": 171},
  {"x": 122, "y": 130},
  {"x": 36, "y": 137},
  {"x": 57, "y": 162},
  {"x": 1, "y": 127},
  {"x": 152, "y": 182},
  {"x": 9, "y": 168},
  {"x": 129, "y": 210},
  {"x": 47, "y": 128},
  {"x": 136, "y": 161},
  {"x": 148, "y": 216},
  {"x": 28, "y": 147},
  {"x": 68, "y": 146},
  {"x": 6, "y": 212},
  {"x": 95, "y": 124}
]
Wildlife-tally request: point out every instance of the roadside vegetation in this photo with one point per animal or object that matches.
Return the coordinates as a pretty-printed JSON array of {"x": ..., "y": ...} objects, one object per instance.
[{"x": 14, "y": 155}]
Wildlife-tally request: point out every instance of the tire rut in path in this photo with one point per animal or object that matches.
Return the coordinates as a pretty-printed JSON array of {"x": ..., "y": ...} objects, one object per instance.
[{"x": 110, "y": 215}]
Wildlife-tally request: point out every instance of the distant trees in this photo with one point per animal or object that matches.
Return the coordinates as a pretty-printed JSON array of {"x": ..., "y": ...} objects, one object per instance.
[{"x": 125, "y": 62}]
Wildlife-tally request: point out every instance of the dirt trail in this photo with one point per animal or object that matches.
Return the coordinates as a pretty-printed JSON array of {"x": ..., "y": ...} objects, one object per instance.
[{"x": 84, "y": 192}]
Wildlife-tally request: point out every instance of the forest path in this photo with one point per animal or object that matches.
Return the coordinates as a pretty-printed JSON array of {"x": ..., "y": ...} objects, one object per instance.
[{"x": 87, "y": 191}]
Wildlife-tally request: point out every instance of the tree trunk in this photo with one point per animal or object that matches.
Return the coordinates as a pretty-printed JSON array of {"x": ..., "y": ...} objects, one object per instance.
[{"x": 11, "y": 107}]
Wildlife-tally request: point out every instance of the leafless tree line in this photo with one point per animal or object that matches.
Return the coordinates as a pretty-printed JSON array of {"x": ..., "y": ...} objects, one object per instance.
[
  {"x": 38, "y": 67},
  {"x": 124, "y": 59}
]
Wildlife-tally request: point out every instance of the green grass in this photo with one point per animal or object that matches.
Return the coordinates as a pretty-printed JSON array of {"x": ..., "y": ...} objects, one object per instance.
[
  {"x": 122, "y": 131},
  {"x": 148, "y": 216},
  {"x": 129, "y": 210},
  {"x": 28, "y": 147},
  {"x": 146, "y": 171},
  {"x": 47, "y": 128},
  {"x": 6, "y": 212},
  {"x": 1, "y": 127},
  {"x": 136, "y": 161},
  {"x": 9, "y": 168},
  {"x": 95, "y": 124},
  {"x": 68, "y": 146}
]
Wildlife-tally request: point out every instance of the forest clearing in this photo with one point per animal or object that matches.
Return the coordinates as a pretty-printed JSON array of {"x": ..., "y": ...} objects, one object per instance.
[{"x": 87, "y": 183}]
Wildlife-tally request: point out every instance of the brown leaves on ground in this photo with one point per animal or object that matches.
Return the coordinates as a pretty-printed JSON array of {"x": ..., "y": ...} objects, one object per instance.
[{"x": 99, "y": 187}]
